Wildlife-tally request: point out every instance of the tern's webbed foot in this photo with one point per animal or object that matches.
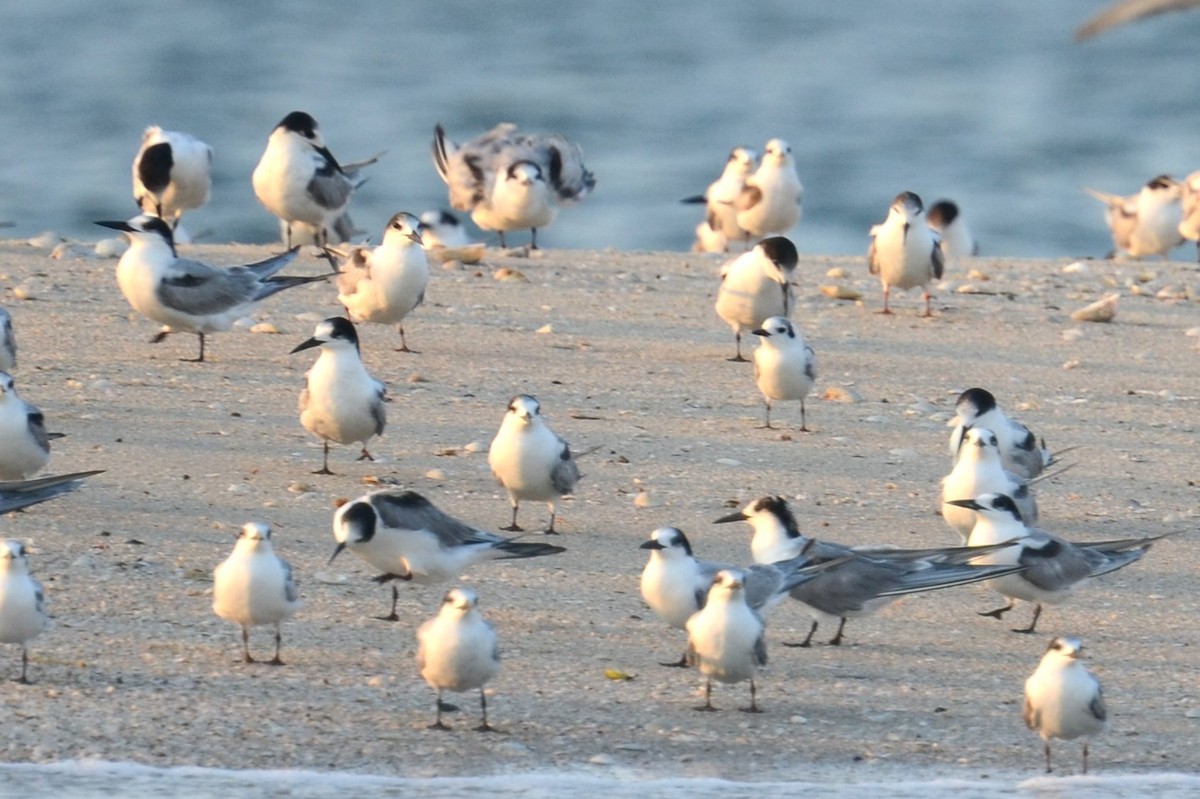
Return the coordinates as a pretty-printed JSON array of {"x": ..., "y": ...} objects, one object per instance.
[
  {"x": 751, "y": 709},
  {"x": 275, "y": 661},
  {"x": 705, "y": 708},
  {"x": 738, "y": 359},
  {"x": 513, "y": 528},
  {"x": 437, "y": 725},
  {"x": 323, "y": 470},
  {"x": 485, "y": 727},
  {"x": 997, "y": 613}
]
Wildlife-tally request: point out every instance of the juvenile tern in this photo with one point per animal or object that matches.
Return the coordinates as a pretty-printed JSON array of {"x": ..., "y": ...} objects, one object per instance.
[
  {"x": 171, "y": 174},
  {"x": 756, "y": 286},
  {"x": 769, "y": 203},
  {"x": 978, "y": 470},
  {"x": 190, "y": 295},
  {"x": 486, "y": 177},
  {"x": 720, "y": 220},
  {"x": 404, "y": 536},
  {"x": 530, "y": 460},
  {"x": 385, "y": 284},
  {"x": 865, "y": 579},
  {"x": 904, "y": 252},
  {"x": 725, "y": 638},
  {"x": 1063, "y": 699},
  {"x": 1020, "y": 451},
  {"x": 441, "y": 229},
  {"x": 1053, "y": 566},
  {"x": 22, "y": 602},
  {"x": 341, "y": 401},
  {"x": 24, "y": 443},
  {"x": 954, "y": 237},
  {"x": 298, "y": 179},
  {"x": 1146, "y": 223},
  {"x": 785, "y": 366},
  {"x": 457, "y": 651},
  {"x": 254, "y": 587}
]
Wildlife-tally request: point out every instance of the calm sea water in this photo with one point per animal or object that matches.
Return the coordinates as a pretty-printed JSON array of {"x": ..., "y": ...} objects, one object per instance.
[
  {"x": 99, "y": 780},
  {"x": 988, "y": 103}
]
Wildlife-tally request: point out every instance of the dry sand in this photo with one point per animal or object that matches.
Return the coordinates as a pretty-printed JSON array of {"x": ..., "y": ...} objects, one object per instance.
[{"x": 626, "y": 354}]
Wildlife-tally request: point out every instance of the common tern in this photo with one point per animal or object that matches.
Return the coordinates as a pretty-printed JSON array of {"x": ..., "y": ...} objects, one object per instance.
[
  {"x": 978, "y": 470},
  {"x": 341, "y": 401},
  {"x": 904, "y": 252},
  {"x": 675, "y": 584},
  {"x": 406, "y": 537},
  {"x": 171, "y": 174},
  {"x": 1020, "y": 451},
  {"x": 1146, "y": 223},
  {"x": 864, "y": 579},
  {"x": 720, "y": 220},
  {"x": 486, "y": 177},
  {"x": 756, "y": 286},
  {"x": 188, "y": 295},
  {"x": 298, "y": 179},
  {"x": 1053, "y": 566}
]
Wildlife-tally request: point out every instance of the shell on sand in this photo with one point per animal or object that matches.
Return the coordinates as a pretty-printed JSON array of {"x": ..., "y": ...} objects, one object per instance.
[
  {"x": 1102, "y": 310},
  {"x": 469, "y": 254}
]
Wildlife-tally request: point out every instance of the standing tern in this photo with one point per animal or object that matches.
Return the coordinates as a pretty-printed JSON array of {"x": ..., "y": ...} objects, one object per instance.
[
  {"x": 1063, "y": 699},
  {"x": 341, "y": 401},
  {"x": 865, "y": 579},
  {"x": 1053, "y": 566},
  {"x": 385, "y": 284},
  {"x": 726, "y": 639},
  {"x": 785, "y": 366},
  {"x": 406, "y": 537},
  {"x": 24, "y": 443},
  {"x": 298, "y": 179},
  {"x": 254, "y": 587},
  {"x": 904, "y": 252},
  {"x": 530, "y": 460},
  {"x": 171, "y": 174},
  {"x": 756, "y": 286},
  {"x": 190, "y": 295},
  {"x": 457, "y": 651},
  {"x": 22, "y": 602}
]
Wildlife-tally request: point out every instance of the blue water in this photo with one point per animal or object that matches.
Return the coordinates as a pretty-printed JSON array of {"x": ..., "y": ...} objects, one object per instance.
[
  {"x": 101, "y": 780},
  {"x": 989, "y": 103}
]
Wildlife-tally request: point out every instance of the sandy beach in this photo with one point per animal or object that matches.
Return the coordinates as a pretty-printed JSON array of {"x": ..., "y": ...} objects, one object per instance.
[{"x": 627, "y": 356}]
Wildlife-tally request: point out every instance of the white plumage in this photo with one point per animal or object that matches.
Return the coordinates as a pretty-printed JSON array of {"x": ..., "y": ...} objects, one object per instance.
[
  {"x": 530, "y": 460},
  {"x": 457, "y": 651},
  {"x": 254, "y": 587}
]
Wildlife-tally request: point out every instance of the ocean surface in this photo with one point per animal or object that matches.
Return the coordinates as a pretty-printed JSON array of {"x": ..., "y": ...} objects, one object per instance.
[
  {"x": 102, "y": 780},
  {"x": 990, "y": 104}
]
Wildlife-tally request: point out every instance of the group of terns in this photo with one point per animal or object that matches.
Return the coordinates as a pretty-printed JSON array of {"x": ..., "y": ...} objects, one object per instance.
[
  {"x": 722, "y": 607},
  {"x": 511, "y": 181}
]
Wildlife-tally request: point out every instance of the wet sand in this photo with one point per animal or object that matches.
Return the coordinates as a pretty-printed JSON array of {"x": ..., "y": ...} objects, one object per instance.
[{"x": 627, "y": 356}]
